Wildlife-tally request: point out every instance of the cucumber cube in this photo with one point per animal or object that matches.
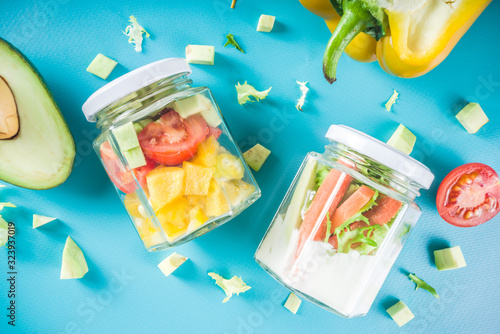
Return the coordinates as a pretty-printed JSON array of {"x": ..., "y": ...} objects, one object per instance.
[
  {"x": 138, "y": 127},
  {"x": 256, "y": 156},
  {"x": 126, "y": 137},
  {"x": 198, "y": 104},
  {"x": 400, "y": 313},
  {"x": 472, "y": 117},
  {"x": 266, "y": 23},
  {"x": 293, "y": 303},
  {"x": 171, "y": 263},
  {"x": 135, "y": 157},
  {"x": 102, "y": 66},
  {"x": 449, "y": 258},
  {"x": 403, "y": 140},
  {"x": 200, "y": 54}
]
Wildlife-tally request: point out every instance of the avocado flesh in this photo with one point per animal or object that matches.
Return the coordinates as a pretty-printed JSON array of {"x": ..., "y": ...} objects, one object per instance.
[{"x": 41, "y": 155}]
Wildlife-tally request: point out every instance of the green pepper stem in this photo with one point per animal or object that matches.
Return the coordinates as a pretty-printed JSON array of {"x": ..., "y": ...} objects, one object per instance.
[{"x": 353, "y": 21}]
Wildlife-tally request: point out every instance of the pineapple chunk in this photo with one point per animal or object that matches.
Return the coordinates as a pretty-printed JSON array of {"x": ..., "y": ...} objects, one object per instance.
[
  {"x": 197, "y": 200},
  {"x": 217, "y": 203},
  {"x": 196, "y": 218},
  {"x": 165, "y": 184},
  {"x": 207, "y": 152},
  {"x": 173, "y": 218},
  {"x": 237, "y": 191},
  {"x": 197, "y": 178}
]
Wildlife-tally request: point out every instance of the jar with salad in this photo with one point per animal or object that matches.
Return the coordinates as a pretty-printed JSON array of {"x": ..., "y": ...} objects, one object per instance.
[
  {"x": 344, "y": 221},
  {"x": 166, "y": 148}
]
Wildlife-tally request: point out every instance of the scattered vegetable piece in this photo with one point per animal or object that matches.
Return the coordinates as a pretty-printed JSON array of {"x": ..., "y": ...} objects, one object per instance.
[
  {"x": 134, "y": 32},
  {"x": 4, "y": 232},
  {"x": 256, "y": 156},
  {"x": 232, "y": 41},
  {"x": 266, "y": 23},
  {"x": 472, "y": 117},
  {"x": 469, "y": 195},
  {"x": 420, "y": 283},
  {"x": 400, "y": 313},
  {"x": 304, "y": 89},
  {"x": 171, "y": 263},
  {"x": 245, "y": 91},
  {"x": 403, "y": 140},
  {"x": 200, "y": 54},
  {"x": 41, "y": 220},
  {"x": 73, "y": 263},
  {"x": 102, "y": 66},
  {"x": 293, "y": 303},
  {"x": 6, "y": 205},
  {"x": 392, "y": 100},
  {"x": 449, "y": 258},
  {"x": 231, "y": 286}
]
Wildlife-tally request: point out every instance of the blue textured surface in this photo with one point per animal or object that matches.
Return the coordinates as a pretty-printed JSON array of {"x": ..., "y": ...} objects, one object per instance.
[{"x": 124, "y": 291}]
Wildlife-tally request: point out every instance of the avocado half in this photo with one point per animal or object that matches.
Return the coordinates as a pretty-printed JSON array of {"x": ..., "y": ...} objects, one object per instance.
[{"x": 37, "y": 150}]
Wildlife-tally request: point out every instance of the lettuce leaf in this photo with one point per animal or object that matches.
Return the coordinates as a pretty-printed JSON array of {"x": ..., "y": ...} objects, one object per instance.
[
  {"x": 420, "y": 283},
  {"x": 232, "y": 41},
  {"x": 321, "y": 173},
  {"x": 245, "y": 91},
  {"x": 328, "y": 227},
  {"x": 231, "y": 286},
  {"x": 134, "y": 32},
  {"x": 304, "y": 89}
]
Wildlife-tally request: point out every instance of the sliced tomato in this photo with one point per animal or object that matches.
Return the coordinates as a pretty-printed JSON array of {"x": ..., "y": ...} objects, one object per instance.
[
  {"x": 469, "y": 195},
  {"x": 122, "y": 178},
  {"x": 172, "y": 139},
  {"x": 216, "y": 132}
]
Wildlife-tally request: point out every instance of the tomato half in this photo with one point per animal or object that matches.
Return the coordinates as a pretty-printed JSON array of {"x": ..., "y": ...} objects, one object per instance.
[
  {"x": 122, "y": 178},
  {"x": 469, "y": 195},
  {"x": 172, "y": 139}
]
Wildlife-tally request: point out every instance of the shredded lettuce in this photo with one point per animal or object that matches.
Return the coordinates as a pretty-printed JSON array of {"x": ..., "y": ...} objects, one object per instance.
[
  {"x": 321, "y": 173},
  {"x": 392, "y": 100},
  {"x": 302, "y": 99},
  {"x": 420, "y": 283},
  {"x": 231, "y": 286},
  {"x": 4, "y": 232},
  {"x": 245, "y": 91},
  {"x": 232, "y": 41},
  {"x": 134, "y": 32}
]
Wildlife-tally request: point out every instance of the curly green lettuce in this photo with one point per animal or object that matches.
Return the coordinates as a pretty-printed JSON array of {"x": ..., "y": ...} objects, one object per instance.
[
  {"x": 232, "y": 41},
  {"x": 246, "y": 91},
  {"x": 231, "y": 286},
  {"x": 134, "y": 32}
]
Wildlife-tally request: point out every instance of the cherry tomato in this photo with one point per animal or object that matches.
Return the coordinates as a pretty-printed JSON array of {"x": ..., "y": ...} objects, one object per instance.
[
  {"x": 122, "y": 178},
  {"x": 172, "y": 140},
  {"x": 469, "y": 195}
]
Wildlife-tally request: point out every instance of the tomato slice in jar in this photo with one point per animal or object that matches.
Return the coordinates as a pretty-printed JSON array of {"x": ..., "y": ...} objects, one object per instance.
[
  {"x": 469, "y": 195},
  {"x": 172, "y": 139},
  {"x": 120, "y": 176}
]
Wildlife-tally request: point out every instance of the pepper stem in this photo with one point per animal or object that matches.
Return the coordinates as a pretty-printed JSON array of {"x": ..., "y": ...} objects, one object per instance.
[{"x": 353, "y": 21}]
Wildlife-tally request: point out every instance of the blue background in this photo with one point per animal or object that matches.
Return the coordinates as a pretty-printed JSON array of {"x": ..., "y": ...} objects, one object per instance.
[{"x": 124, "y": 291}]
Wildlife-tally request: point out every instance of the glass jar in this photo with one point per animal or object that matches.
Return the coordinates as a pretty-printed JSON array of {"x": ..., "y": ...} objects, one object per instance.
[
  {"x": 344, "y": 221},
  {"x": 169, "y": 154}
]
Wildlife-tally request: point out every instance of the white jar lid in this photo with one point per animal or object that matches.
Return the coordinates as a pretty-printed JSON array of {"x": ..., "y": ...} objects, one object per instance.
[
  {"x": 382, "y": 153},
  {"x": 132, "y": 81}
]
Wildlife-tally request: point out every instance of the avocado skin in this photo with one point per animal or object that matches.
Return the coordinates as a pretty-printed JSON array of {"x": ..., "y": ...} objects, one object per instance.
[{"x": 56, "y": 112}]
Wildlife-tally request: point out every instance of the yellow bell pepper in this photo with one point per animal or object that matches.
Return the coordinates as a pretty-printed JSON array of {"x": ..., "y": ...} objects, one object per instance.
[
  {"x": 413, "y": 36},
  {"x": 362, "y": 48}
]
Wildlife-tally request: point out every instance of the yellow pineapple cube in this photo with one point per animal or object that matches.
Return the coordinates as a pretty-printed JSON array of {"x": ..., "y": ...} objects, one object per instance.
[
  {"x": 237, "y": 191},
  {"x": 197, "y": 201},
  {"x": 165, "y": 184},
  {"x": 174, "y": 218},
  {"x": 196, "y": 218},
  {"x": 197, "y": 178},
  {"x": 217, "y": 203},
  {"x": 206, "y": 154}
]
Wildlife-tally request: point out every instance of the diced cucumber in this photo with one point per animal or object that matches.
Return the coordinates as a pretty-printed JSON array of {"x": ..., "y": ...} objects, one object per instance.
[
  {"x": 102, "y": 66},
  {"x": 256, "y": 156},
  {"x": 135, "y": 157},
  {"x": 293, "y": 303},
  {"x": 171, "y": 263},
  {"x": 200, "y": 54},
  {"x": 73, "y": 263},
  {"x": 138, "y": 127},
  {"x": 41, "y": 220},
  {"x": 266, "y": 23},
  {"x": 198, "y": 104},
  {"x": 472, "y": 117},
  {"x": 449, "y": 258},
  {"x": 403, "y": 140},
  {"x": 126, "y": 137},
  {"x": 400, "y": 313}
]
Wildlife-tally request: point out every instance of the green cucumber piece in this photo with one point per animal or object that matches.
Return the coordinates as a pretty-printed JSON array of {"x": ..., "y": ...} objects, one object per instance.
[
  {"x": 449, "y": 258},
  {"x": 400, "y": 313},
  {"x": 73, "y": 263},
  {"x": 403, "y": 140},
  {"x": 266, "y": 23},
  {"x": 200, "y": 54},
  {"x": 126, "y": 137},
  {"x": 102, "y": 66},
  {"x": 472, "y": 117},
  {"x": 256, "y": 156},
  {"x": 135, "y": 157}
]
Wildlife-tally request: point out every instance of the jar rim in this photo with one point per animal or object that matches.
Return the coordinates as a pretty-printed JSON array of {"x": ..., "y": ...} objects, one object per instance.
[
  {"x": 131, "y": 82},
  {"x": 382, "y": 153}
]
